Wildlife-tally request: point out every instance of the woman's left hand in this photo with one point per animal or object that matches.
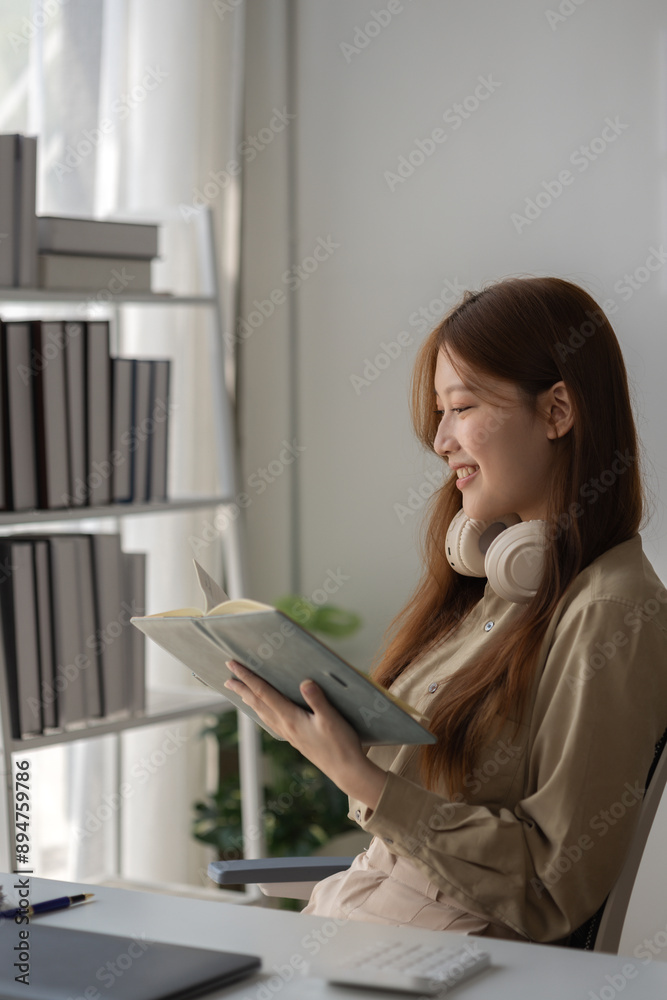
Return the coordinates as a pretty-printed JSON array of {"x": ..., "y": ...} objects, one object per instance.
[{"x": 323, "y": 736}]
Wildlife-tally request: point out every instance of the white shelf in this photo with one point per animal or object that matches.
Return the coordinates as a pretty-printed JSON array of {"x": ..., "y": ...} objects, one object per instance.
[
  {"x": 89, "y": 295},
  {"x": 111, "y": 510},
  {"x": 161, "y": 706}
]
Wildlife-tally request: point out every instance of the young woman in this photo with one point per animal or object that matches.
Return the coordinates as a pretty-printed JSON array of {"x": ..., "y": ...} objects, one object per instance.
[{"x": 536, "y": 648}]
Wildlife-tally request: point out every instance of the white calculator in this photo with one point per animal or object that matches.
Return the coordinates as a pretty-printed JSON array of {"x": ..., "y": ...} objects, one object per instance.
[{"x": 411, "y": 968}]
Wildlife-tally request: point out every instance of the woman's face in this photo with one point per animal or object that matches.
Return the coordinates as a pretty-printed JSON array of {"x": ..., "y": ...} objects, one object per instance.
[{"x": 501, "y": 452}]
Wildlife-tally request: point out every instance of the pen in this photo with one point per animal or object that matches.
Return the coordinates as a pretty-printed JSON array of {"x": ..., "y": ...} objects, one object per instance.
[{"x": 50, "y": 904}]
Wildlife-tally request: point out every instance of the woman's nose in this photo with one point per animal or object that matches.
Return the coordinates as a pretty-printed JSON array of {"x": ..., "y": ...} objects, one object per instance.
[{"x": 444, "y": 441}]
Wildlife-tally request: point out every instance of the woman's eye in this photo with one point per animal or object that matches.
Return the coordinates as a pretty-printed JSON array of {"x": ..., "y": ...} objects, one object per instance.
[{"x": 455, "y": 409}]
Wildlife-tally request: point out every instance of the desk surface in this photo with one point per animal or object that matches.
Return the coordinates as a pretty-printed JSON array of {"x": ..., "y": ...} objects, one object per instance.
[{"x": 285, "y": 940}]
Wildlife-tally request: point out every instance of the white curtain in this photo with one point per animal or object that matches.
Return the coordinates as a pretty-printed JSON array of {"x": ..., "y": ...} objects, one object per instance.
[{"x": 131, "y": 102}]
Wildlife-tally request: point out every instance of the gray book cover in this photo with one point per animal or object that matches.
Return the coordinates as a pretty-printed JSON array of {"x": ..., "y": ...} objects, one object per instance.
[
  {"x": 8, "y": 209},
  {"x": 71, "y": 662},
  {"x": 284, "y": 654},
  {"x": 99, "y": 468},
  {"x": 140, "y": 436},
  {"x": 19, "y": 620},
  {"x": 52, "y": 437},
  {"x": 75, "y": 372},
  {"x": 135, "y": 570},
  {"x": 21, "y": 437},
  {"x": 49, "y": 691},
  {"x": 122, "y": 382},
  {"x": 27, "y": 221},
  {"x": 87, "y": 625},
  {"x": 158, "y": 429},
  {"x": 114, "y": 635}
]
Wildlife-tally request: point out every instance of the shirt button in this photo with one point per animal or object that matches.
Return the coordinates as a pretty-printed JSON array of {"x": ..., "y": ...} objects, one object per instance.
[
  {"x": 357, "y": 815},
  {"x": 489, "y": 626},
  {"x": 432, "y": 687}
]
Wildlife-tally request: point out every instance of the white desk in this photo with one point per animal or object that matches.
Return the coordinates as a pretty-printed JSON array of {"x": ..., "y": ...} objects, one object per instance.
[{"x": 283, "y": 939}]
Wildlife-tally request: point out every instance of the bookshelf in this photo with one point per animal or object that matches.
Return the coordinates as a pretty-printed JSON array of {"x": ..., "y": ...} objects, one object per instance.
[{"x": 168, "y": 705}]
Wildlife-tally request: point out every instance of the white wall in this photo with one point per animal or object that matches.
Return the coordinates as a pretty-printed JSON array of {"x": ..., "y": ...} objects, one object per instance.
[{"x": 554, "y": 87}]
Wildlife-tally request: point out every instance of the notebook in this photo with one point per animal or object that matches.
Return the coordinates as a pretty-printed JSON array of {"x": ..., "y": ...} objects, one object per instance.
[{"x": 61, "y": 964}]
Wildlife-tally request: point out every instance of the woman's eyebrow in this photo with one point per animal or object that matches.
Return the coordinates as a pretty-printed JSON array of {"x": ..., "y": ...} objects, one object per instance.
[{"x": 451, "y": 388}]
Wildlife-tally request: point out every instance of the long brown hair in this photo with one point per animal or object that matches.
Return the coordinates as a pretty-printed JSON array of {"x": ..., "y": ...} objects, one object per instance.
[{"x": 531, "y": 332}]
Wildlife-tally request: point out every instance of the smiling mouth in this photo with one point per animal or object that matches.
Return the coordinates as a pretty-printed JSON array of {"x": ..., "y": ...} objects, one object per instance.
[{"x": 466, "y": 471}]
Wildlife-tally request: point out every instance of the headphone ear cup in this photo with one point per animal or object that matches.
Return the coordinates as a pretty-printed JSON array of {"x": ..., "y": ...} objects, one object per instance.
[
  {"x": 462, "y": 545},
  {"x": 514, "y": 561}
]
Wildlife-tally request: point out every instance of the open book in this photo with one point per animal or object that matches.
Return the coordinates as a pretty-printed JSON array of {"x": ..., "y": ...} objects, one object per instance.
[{"x": 282, "y": 653}]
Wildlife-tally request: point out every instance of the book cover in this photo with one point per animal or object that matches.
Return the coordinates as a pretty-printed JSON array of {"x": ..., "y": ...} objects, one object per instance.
[
  {"x": 158, "y": 429},
  {"x": 122, "y": 382},
  {"x": 51, "y": 424},
  {"x": 284, "y": 654},
  {"x": 135, "y": 576},
  {"x": 27, "y": 217},
  {"x": 99, "y": 468},
  {"x": 70, "y": 660},
  {"x": 21, "y": 465},
  {"x": 140, "y": 439},
  {"x": 49, "y": 691},
  {"x": 18, "y": 606},
  {"x": 88, "y": 631},
  {"x": 112, "y": 636},
  {"x": 119, "y": 275},
  {"x": 8, "y": 208},
  {"x": 98, "y": 237},
  {"x": 75, "y": 378}
]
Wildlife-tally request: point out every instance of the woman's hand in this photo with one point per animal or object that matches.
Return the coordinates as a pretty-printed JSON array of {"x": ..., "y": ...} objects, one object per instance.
[{"x": 324, "y": 736}]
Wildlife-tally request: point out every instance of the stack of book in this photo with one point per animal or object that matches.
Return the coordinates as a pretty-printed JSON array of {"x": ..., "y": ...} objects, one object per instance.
[
  {"x": 80, "y": 428},
  {"x": 71, "y": 655},
  {"x": 65, "y": 253}
]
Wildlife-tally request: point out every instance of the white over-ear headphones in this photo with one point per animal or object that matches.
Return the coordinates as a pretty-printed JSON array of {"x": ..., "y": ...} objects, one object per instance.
[{"x": 508, "y": 551}]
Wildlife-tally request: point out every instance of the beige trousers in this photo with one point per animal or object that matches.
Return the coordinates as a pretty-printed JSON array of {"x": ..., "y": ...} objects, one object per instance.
[{"x": 382, "y": 888}]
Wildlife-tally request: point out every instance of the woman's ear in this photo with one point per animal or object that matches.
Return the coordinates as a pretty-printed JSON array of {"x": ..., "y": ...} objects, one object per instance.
[{"x": 557, "y": 408}]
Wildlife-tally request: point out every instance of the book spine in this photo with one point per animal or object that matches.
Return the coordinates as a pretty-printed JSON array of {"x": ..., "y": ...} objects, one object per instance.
[
  {"x": 158, "y": 429},
  {"x": 52, "y": 433},
  {"x": 21, "y": 438},
  {"x": 122, "y": 381},
  {"x": 98, "y": 406},
  {"x": 27, "y": 241},
  {"x": 8, "y": 210},
  {"x": 135, "y": 568},
  {"x": 75, "y": 377},
  {"x": 100, "y": 238}
]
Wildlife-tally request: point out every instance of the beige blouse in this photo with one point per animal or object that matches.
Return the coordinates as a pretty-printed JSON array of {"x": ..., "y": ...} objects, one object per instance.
[{"x": 538, "y": 841}]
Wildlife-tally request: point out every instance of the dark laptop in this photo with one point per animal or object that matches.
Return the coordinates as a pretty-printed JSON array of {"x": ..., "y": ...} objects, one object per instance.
[{"x": 67, "y": 964}]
